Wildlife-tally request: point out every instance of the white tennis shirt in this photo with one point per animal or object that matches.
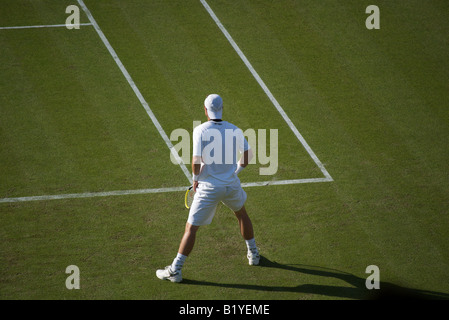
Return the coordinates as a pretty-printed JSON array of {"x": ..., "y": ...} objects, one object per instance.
[{"x": 219, "y": 144}]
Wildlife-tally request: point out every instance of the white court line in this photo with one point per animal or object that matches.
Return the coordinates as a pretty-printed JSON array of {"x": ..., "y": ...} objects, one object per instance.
[
  {"x": 283, "y": 182},
  {"x": 43, "y": 26},
  {"x": 92, "y": 194},
  {"x": 147, "y": 191},
  {"x": 267, "y": 91},
  {"x": 136, "y": 91}
]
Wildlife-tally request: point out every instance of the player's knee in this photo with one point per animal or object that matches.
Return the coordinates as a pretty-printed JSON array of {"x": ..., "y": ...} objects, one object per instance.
[
  {"x": 191, "y": 229},
  {"x": 241, "y": 213}
]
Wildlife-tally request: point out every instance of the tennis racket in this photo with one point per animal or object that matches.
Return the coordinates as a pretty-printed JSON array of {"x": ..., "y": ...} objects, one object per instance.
[{"x": 188, "y": 199}]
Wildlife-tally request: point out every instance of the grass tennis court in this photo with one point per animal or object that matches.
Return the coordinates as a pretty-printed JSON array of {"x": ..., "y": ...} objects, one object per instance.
[{"x": 371, "y": 104}]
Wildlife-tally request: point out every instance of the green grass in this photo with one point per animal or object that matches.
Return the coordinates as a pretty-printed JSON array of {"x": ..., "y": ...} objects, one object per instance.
[{"x": 372, "y": 104}]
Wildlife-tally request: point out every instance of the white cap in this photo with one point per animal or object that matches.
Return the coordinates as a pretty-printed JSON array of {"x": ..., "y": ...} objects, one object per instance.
[{"x": 214, "y": 106}]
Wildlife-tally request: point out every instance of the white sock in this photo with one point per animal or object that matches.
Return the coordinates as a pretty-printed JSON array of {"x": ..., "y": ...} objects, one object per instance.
[
  {"x": 178, "y": 262},
  {"x": 251, "y": 244}
]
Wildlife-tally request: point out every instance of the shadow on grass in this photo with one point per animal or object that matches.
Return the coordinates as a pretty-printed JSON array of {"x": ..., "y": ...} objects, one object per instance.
[{"x": 387, "y": 291}]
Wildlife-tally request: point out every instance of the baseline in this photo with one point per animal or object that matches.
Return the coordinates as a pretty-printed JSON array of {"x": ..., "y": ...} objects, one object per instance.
[
  {"x": 43, "y": 26},
  {"x": 148, "y": 191}
]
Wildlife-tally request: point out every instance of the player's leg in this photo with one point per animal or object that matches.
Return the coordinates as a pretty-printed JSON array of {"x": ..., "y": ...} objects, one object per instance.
[
  {"x": 247, "y": 231},
  {"x": 173, "y": 272},
  {"x": 235, "y": 199},
  {"x": 246, "y": 226},
  {"x": 188, "y": 239},
  {"x": 201, "y": 213}
]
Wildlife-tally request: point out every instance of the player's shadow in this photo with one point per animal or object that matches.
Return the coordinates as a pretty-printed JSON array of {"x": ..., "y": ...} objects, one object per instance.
[{"x": 358, "y": 290}]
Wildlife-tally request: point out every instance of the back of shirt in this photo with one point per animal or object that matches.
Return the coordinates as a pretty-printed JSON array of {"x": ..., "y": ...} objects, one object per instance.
[{"x": 220, "y": 145}]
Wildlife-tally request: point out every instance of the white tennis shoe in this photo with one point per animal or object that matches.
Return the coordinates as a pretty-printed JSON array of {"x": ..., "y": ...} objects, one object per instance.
[
  {"x": 169, "y": 274},
  {"x": 253, "y": 257}
]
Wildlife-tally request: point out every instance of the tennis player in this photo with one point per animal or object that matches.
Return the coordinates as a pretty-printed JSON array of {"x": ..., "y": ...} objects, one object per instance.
[{"x": 215, "y": 179}]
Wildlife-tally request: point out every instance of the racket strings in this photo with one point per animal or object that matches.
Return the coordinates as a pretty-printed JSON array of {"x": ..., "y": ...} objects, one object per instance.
[{"x": 190, "y": 194}]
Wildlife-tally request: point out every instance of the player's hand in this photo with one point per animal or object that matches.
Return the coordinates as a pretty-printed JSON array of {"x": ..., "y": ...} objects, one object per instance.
[{"x": 195, "y": 185}]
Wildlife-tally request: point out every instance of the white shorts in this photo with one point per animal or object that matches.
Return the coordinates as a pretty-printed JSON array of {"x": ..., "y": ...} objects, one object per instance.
[{"x": 207, "y": 197}]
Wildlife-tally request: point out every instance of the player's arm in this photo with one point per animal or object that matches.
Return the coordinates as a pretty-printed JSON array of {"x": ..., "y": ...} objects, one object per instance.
[
  {"x": 196, "y": 168},
  {"x": 196, "y": 157},
  {"x": 196, "y": 165},
  {"x": 245, "y": 149},
  {"x": 245, "y": 158}
]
